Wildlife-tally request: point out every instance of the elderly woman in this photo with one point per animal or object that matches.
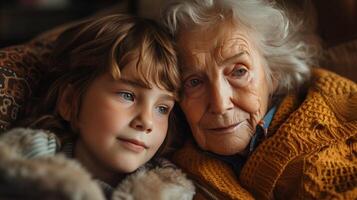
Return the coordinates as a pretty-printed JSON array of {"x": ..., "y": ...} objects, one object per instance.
[{"x": 265, "y": 124}]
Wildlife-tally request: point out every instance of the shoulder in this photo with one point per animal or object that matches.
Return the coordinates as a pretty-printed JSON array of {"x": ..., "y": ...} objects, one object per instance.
[
  {"x": 213, "y": 178},
  {"x": 339, "y": 93},
  {"x": 158, "y": 179},
  {"x": 330, "y": 83},
  {"x": 29, "y": 143}
]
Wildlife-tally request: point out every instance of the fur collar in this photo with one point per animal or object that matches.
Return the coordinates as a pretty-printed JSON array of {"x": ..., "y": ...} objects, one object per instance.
[{"x": 58, "y": 177}]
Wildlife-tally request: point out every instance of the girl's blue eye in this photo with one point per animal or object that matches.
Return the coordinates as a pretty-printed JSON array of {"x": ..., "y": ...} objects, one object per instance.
[
  {"x": 126, "y": 96},
  {"x": 239, "y": 71},
  {"x": 163, "y": 110}
]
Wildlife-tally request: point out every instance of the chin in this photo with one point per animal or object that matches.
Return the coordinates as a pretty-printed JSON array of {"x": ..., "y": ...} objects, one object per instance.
[
  {"x": 128, "y": 167},
  {"x": 227, "y": 152},
  {"x": 227, "y": 148}
]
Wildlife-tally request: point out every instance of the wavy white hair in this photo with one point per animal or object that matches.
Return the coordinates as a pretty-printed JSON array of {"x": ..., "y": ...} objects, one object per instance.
[{"x": 279, "y": 39}]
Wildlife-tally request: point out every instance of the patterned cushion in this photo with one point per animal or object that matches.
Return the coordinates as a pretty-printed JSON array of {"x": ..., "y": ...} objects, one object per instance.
[
  {"x": 20, "y": 72},
  {"x": 21, "y": 68}
]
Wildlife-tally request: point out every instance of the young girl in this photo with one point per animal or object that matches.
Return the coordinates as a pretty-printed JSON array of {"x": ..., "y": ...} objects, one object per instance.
[{"x": 112, "y": 85}]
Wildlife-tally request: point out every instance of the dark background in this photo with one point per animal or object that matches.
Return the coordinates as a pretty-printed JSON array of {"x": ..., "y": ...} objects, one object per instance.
[{"x": 21, "y": 20}]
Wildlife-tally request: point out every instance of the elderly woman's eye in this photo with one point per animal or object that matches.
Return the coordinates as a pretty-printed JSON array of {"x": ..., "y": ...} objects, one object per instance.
[
  {"x": 239, "y": 71},
  {"x": 193, "y": 82}
]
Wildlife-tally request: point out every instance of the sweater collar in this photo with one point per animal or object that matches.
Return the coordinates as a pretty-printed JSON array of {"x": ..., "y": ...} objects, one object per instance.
[{"x": 237, "y": 161}]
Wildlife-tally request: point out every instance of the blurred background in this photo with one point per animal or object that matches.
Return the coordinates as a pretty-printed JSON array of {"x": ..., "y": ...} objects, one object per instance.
[{"x": 21, "y": 20}]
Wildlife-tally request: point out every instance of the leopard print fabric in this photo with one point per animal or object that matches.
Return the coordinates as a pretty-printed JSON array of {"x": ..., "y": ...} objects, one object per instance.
[{"x": 20, "y": 72}]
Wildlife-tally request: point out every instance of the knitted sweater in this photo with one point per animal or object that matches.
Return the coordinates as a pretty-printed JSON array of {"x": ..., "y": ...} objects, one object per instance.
[{"x": 311, "y": 151}]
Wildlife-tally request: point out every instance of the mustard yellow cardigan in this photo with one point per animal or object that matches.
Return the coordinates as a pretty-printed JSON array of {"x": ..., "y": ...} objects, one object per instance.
[{"x": 311, "y": 152}]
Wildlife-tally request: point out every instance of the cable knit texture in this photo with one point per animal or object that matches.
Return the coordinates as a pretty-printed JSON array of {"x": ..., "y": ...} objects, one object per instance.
[
  {"x": 310, "y": 154},
  {"x": 214, "y": 179}
]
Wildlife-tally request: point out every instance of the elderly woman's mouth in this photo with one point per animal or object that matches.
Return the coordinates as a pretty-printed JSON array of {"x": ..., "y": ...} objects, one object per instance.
[{"x": 225, "y": 129}]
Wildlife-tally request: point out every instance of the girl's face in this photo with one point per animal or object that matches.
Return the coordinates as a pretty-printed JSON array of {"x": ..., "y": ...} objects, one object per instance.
[{"x": 121, "y": 123}]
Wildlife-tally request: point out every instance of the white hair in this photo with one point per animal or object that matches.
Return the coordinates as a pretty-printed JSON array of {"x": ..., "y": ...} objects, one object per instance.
[{"x": 278, "y": 38}]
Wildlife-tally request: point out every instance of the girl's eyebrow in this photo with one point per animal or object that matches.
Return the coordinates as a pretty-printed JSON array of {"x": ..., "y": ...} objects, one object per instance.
[
  {"x": 167, "y": 97},
  {"x": 132, "y": 83},
  {"x": 141, "y": 85}
]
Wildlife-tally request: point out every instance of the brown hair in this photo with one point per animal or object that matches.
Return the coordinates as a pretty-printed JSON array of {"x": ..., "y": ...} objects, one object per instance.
[{"x": 95, "y": 46}]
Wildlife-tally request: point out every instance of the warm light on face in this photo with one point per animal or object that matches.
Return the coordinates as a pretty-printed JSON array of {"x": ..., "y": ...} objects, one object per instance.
[
  {"x": 225, "y": 91},
  {"x": 122, "y": 123}
]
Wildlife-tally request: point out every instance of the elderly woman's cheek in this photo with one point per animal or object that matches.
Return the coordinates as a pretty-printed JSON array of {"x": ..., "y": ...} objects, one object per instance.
[
  {"x": 192, "y": 108},
  {"x": 248, "y": 100}
]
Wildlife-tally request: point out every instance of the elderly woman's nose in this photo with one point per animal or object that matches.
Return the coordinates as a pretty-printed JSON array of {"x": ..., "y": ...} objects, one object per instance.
[{"x": 220, "y": 97}]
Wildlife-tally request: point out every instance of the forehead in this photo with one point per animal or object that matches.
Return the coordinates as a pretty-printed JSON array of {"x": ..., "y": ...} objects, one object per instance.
[
  {"x": 143, "y": 70},
  {"x": 135, "y": 72},
  {"x": 220, "y": 41}
]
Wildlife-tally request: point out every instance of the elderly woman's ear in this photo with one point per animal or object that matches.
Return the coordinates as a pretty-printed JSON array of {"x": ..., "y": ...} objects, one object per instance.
[{"x": 64, "y": 103}]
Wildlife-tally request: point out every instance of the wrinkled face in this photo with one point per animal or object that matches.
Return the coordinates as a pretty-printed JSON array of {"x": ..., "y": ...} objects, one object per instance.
[
  {"x": 225, "y": 87},
  {"x": 121, "y": 123}
]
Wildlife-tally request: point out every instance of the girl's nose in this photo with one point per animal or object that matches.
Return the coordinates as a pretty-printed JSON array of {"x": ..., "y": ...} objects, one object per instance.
[{"x": 143, "y": 121}]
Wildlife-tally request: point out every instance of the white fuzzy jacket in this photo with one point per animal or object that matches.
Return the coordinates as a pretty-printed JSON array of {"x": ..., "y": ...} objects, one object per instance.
[{"x": 47, "y": 174}]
